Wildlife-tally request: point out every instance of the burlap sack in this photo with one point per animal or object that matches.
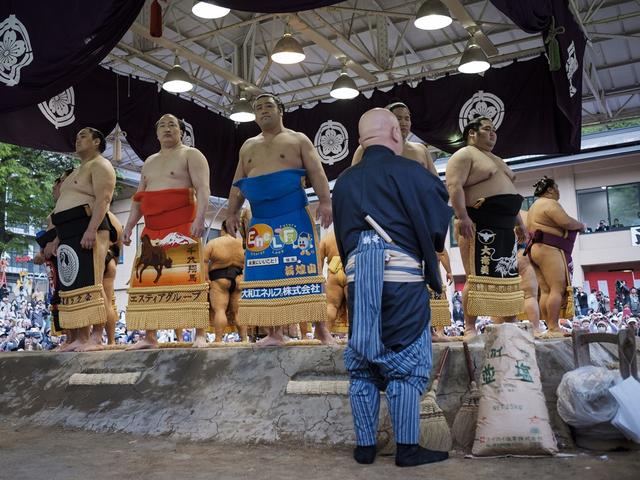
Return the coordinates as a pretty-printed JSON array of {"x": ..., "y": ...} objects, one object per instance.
[{"x": 513, "y": 418}]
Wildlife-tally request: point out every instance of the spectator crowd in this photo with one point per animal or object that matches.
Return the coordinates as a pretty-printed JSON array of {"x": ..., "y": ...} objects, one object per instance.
[{"x": 25, "y": 320}]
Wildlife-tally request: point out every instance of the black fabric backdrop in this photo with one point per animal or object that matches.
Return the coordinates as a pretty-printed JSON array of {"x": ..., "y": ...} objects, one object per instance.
[
  {"x": 519, "y": 98},
  {"x": 49, "y": 45},
  {"x": 534, "y": 16},
  {"x": 275, "y": 6}
]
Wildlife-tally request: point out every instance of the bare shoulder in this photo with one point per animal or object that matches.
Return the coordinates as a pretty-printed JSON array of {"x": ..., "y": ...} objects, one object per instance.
[
  {"x": 150, "y": 159},
  {"x": 419, "y": 146},
  {"x": 462, "y": 156},
  {"x": 102, "y": 165},
  {"x": 249, "y": 142},
  {"x": 192, "y": 152},
  {"x": 299, "y": 136}
]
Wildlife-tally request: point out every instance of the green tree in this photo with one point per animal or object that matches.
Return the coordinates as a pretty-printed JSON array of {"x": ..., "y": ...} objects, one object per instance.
[{"x": 26, "y": 178}]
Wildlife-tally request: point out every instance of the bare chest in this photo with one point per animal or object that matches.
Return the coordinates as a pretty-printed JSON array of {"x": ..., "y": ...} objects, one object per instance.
[
  {"x": 165, "y": 169},
  {"x": 79, "y": 181},
  {"x": 486, "y": 166},
  {"x": 270, "y": 156}
]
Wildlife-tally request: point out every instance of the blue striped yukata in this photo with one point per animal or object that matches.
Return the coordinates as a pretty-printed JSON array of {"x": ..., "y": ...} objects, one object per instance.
[
  {"x": 389, "y": 338},
  {"x": 372, "y": 267}
]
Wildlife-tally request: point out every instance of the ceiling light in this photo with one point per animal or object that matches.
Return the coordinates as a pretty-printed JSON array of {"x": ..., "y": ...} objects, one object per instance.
[
  {"x": 208, "y": 10},
  {"x": 473, "y": 60},
  {"x": 177, "y": 80},
  {"x": 242, "y": 111},
  {"x": 287, "y": 51},
  {"x": 344, "y": 88},
  {"x": 432, "y": 15}
]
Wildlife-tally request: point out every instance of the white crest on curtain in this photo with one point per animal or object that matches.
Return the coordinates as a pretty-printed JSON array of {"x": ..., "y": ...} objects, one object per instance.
[
  {"x": 332, "y": 142},
  {"x": 482, "y": 104},
  {"x": 60, "y": 109},
  {"x": 15, "y": 50},
  {"x": 188, "y": 137}
]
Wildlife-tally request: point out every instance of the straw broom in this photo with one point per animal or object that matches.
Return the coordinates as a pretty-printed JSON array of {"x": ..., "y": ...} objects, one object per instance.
[
  {"x": 434, "y": 429},
  {"x": 465, "y": 422}
]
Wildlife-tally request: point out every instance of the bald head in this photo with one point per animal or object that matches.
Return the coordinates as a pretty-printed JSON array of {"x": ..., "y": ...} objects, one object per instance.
[{"x": 379, "y": 126}]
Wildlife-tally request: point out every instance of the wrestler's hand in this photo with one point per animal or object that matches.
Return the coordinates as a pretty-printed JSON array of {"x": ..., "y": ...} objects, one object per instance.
[
  {"x": 39, "y": 258},
  {"x": 126, "y": 235},
  {"x": 324, "y": 214},
  {"x": 449, "y": 278},
  {"x": 51, "y": 248},
  {"x": 232, "y": 223},
  {"x": 465, "y": 228},
  {"x": 197, "y": 228},
  {"x": 88, "y": 239}
]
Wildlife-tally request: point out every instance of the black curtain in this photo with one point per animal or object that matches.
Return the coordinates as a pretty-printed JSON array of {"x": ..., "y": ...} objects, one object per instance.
[
  {"x": 47, "y": 46},
  {"x": 275, "y": 6},
  {"x": 54, "y": 123},
  {"x": 564, "y": 43},
  {"x": 519, "y": 98}
]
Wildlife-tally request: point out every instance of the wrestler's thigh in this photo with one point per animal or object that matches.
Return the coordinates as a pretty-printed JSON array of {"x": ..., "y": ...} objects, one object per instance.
[
  {"x": 464, "y": 245},
  {"x": 551, "y": 265},
  {"x": 333, "y": 291},
  {"x": 528, "y": 281},
  {"x": 234, "y": 298},
  {"x": 100, "y": 248},
  {"x": 109, "y": 277},
  {"x": 219, "y": 293}
]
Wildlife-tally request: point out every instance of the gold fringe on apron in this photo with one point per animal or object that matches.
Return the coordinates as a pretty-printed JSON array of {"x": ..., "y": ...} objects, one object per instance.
[
  {"x": 168, "y": 307},
  {"x": 82, "y": 307},
  {"x": 440, "y": 314},
  {"x": 278, "y": 312}
]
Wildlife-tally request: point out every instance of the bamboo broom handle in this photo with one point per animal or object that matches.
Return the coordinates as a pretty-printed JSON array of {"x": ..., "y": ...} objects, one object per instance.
[{"x": 467, "y": 356}]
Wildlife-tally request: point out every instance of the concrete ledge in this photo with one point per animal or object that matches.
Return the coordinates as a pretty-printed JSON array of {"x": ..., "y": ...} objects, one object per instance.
[
  {"x": 318, "y": 387},
  {"x": 104, "y": 378},
  {"x": 236, "y": 395}
]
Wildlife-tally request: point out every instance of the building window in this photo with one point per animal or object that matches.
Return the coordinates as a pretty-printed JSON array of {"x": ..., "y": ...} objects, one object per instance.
[
  {"x": 527, "y": 202},
  {"x": 609, "y": 208}
]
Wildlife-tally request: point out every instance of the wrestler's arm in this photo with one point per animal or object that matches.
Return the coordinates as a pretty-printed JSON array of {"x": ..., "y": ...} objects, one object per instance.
[
  {"x": 443, "y": 256},
  {"x": 430, "y": 165},
  {"x": 199, "y": 174},
  {"x": 135, "y": 214},
  {"x": 318, "y": 179},
  {"x": 103, "y": 179},
  {"x": 521, "y": 229},
  {"x": 456, "y": 175},
  {"x": 322, "y": 251},
  {"x": 236, "y": 199},
  {"x": 357, "y": 156},
  {"x": 208, "y": 252},
  {"x": 50, "y": 248},
  {"x": 557, "y": 215}
]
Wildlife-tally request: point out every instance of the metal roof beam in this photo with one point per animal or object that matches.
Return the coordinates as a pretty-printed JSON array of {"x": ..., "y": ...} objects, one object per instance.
[
  {"x": 197, "y": 59},
  {"x": 300, "y": 25}
]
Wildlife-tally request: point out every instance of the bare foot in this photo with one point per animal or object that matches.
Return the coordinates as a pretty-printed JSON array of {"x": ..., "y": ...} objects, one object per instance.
[
  {"x": 271, "y": 340},
  {"x": 323, "y": 334},
  {"x": 145, "y": 344},
  {"x": 66, "y": 347},
  {"x": 200, "y": 342},
  {"x": 89, "y": 347},
  {"x": 436, "y": 338},
  {"x": 469, "y": 334}
]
